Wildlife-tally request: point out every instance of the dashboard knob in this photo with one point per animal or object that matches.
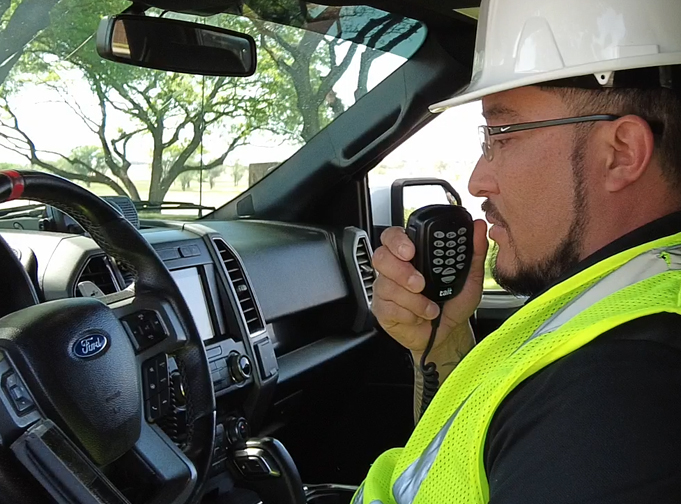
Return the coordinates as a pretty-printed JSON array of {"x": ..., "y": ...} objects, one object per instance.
[
  {"x": 237, "y": 430},
  {"x": 239, "y": 367}
]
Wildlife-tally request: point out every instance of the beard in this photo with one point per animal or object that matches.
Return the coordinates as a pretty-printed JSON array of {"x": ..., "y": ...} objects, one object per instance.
[{"x": 532, "y": 279}]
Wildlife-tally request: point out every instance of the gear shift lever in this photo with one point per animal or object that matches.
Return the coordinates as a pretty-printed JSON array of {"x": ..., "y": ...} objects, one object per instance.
[{"x": 269, "y": 470}]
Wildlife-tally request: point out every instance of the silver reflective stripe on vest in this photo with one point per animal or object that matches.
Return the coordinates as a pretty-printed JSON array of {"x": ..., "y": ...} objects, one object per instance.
[
  {"x": 359, "y": 497},
  {"x": 640, "y": 268},
  {"x": 409, "y": 483}
]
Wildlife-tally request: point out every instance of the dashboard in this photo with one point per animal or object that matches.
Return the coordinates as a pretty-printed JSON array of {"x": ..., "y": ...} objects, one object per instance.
[{"x": 271, "y": 301}]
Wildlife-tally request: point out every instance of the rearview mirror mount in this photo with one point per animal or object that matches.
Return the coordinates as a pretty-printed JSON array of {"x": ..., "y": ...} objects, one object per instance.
[{"x": 176, "y": 46}]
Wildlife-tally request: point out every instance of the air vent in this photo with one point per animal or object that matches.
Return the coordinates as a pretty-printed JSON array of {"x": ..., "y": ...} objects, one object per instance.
[
  {"x": 98, "y": 271},
  {"x": 366, "y": 270},
  {"x": 244, "y": 292},
  {"x": 356, "y": 253},
  {"x": 126, "y": 207}
]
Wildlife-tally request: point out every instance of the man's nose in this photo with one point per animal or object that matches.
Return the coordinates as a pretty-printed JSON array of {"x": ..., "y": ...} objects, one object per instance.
[{"x": 482, "y": 183}]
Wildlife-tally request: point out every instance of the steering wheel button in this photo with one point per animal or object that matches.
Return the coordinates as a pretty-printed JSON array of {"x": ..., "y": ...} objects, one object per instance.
[
  {"x": 164, "y": 402},
  {"x": 150, "y": 376},
  {"x": 163, "y": 382},
  {"x": 17, "y": 392},
  {"x": 153, "y": 406},
  {"x": 156, "y": 325},
  {"x": 162, "y": 364}
]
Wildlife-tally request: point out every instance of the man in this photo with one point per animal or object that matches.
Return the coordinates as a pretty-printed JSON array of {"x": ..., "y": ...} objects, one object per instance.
[{"x": 577, "y": 397}]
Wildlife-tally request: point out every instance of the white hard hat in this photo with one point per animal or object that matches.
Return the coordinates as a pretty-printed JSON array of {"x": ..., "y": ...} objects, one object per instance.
[{"x": 527, "y": 42}]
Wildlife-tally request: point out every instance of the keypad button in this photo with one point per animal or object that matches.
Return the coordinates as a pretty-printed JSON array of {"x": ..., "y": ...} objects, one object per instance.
[
  {"x": 439, "y": 253},
  {"x": 448, "y": 279},
  {"x": 462, "y": 231},
  {"x": 450, "y": 262},
  {"x": 462, "y": 240},
  {"x": 437, "y": 271},
  {"x": 451, "y": 253},
  {"x": 439, "y": 234},
  {"x": 439, "y": 243},
  {"x": 438, "y": 262},
  {"x": 461, "y": 258},
  {"x": 462, "y": 249},
  {"x": 451, "y": 244},
  {"x": 451, "y": 235},
  {"x": 459, "y": 266},
  {"x": 448, "y": 271}
]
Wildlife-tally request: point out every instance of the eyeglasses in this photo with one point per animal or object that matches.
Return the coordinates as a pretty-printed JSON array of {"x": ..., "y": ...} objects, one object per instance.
[{"x": 488, "y": 132}]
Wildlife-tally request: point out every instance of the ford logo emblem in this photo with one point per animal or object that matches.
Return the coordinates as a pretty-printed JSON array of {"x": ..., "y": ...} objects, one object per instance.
[{"x": 90, "y": 346}]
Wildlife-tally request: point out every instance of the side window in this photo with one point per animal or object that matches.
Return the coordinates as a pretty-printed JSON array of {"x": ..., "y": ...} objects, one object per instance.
[{"x": 448, "y": 148}]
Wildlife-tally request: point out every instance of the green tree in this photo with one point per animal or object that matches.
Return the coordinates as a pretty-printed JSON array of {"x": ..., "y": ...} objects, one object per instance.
[
  {"x": 292, "y": 95},
  {"x": 314, "y": 61},
  {"x": 212, "y": 176},
  {"x": 20, "y": 22},
  {"x": 238, "y": 171},
  {"x": 170, "y": 111}
]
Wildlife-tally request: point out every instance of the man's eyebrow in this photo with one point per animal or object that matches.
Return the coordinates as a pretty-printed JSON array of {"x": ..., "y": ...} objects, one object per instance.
[{"x": 496, "y": 111}]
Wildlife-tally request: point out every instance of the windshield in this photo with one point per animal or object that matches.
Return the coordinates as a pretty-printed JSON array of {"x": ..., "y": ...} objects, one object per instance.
[{"x": 161, "y": 137}]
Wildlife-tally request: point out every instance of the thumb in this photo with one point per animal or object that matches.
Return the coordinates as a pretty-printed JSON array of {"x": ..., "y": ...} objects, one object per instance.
[{"x": 480, "y": 247}]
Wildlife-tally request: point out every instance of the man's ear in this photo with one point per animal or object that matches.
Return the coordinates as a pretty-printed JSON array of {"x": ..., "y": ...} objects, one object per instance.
[{"x": 630, "y": 144}]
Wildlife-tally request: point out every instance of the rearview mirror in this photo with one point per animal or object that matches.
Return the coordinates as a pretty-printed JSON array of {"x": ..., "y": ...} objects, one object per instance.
[{"x": 176, "y": 46}]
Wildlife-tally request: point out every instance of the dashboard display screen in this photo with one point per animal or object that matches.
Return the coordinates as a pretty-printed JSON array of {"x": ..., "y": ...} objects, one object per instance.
[{"x": 189, "y": 282}]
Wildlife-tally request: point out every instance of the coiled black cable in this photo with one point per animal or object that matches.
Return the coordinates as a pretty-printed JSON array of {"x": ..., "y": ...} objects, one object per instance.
[{"x": 431, "y": 378}]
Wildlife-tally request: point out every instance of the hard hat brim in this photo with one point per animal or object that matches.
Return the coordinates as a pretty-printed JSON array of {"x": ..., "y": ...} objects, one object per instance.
[{"x": 481, "y": 89}]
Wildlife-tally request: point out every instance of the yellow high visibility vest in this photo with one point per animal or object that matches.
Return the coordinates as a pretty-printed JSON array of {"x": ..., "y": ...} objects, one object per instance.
[{"x": 443, "y": 460}]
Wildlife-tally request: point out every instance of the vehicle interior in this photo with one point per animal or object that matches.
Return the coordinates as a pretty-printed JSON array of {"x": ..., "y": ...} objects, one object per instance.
[{"x": 188, "y": 222}]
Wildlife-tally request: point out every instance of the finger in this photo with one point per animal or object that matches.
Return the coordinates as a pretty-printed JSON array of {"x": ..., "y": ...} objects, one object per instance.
[
  {"x": 390, "y": 314},
  {"x": 397, "y": 241},
  {"x": 400, "y": 272},
  {"x": 387, "y": 290},
  {"x": 480, "y": 247}
]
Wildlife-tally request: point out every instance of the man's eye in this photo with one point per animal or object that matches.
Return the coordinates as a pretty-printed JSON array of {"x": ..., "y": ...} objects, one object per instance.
[{"x": 503, "y": 141}]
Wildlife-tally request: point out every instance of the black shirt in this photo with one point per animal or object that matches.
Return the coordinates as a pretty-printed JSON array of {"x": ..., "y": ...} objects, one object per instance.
[{"x": 603, "y": 424}]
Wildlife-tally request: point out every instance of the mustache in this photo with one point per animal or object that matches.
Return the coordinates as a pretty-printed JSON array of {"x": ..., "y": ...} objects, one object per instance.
[{"x": 492, "y": 211}]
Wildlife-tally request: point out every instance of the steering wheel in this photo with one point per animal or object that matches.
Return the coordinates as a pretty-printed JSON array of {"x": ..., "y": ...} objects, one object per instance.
[{"x": 78, "y": 390}]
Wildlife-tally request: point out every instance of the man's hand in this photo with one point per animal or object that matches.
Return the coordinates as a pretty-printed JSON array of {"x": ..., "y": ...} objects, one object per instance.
[{"x": 400, "y": 307}]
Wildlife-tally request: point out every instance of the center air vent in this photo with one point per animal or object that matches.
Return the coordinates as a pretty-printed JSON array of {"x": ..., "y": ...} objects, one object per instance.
[
  {"x": 98, "y": 271},
  {"x": 244, "y": 292},
  {"x": 366, "y": 270}
]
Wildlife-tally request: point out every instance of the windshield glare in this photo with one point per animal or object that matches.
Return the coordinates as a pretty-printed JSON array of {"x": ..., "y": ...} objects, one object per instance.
[{"x": 166, "y": 137}]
